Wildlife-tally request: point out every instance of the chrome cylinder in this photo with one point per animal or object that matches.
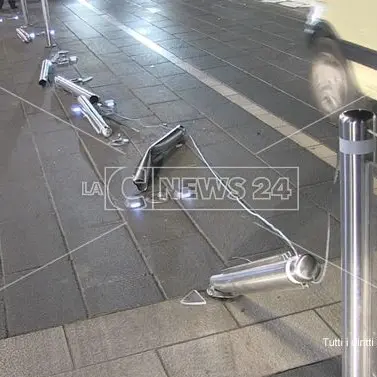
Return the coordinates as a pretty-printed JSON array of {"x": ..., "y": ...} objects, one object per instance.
[
  {"x": 46, "y": 19},
  {"x": 75, "y": 89},
  {"x": 23, "y": 35},
  {"x": 356, "y": 147},
  {"x": 45, "y": 72},
  {"x": 94, "y": 118},
  {"x": 25, "y": 12},
  {"x": 284, "y": 271}
]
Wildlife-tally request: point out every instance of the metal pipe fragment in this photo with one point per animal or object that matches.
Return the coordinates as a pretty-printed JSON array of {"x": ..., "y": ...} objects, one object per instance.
[
  {"x": 155, "y": 155},
  {"x": 284, "y": 271},
  {"x": 75, "y": 89},
  {"x": 45, "y": 72},
  {"x": 23, "y": 35},
  {"x": 94, "y": 118}
]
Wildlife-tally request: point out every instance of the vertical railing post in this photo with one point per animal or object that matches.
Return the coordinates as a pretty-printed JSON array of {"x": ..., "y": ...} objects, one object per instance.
[
  {"x": 356, "y": 148},
  {"x": 46, "y": 18},
  {"x": 25, "y": 12}
]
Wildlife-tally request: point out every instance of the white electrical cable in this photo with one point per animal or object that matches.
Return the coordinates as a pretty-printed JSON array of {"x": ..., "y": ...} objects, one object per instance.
[{"x": 248, "y": 210}]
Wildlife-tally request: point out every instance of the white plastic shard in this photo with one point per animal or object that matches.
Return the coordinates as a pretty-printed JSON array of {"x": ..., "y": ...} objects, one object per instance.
[{"x": 193, "y": 298}]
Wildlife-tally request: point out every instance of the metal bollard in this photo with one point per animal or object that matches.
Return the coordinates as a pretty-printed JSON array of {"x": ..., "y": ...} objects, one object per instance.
[
  {"x": 94, "y": 118},
  {"x": 45, "y": 72},
  {"x": 282, "y": 271},
  {"x": 23, "y": 35},
  {"x": 356, "y": 148},
  {"x": 25, "y": 12},
  {"x": 75, "y": 89},
  {"x": 46, "y": 18}
]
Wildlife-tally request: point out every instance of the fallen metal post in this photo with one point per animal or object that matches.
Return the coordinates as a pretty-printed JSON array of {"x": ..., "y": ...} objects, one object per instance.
[
  {"x": 25, "y": 12},
  {"x": 155, "y": 155},
  {"x": 282, "y": 271},
  {"x": 94, "y": 118},
  {"x": 44, "y": 75},
  {"x": 46, "y": 18},
  {"x": 356, "y": 148},
  {"x": 23, "y": 35},
  {"x": 75, "y": 89}
]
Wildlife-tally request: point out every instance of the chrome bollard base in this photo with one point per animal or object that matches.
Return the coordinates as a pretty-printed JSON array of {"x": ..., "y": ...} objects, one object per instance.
[{"x": 212, "y": 292}]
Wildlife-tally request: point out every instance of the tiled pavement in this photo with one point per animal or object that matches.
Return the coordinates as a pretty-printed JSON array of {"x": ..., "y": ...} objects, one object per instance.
[{"x": 258, "y": 51}]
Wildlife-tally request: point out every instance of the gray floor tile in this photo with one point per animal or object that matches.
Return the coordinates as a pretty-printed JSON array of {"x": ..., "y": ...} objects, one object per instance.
[
  {"x": 100, "y": 78},
  {"x": 160, "y": 36},
  {"x": 165, "y": 223},
  {"x": 255, "y": 351},
  {"x": 328, "y": 368},
  {"x": 136, "y": 49},
  {"x": 155, "y": 94},
  {"x": 100, "y": 46},
  {"x": 234, "y": 233},
  {"x": 257, "y": 307},
  {"x": 299, "y": 226},
  {"x": 129, "y": 332},
  {"x": 175, "y": 111},
  {"x": 41, "y": 122},
  {"x": 121, "y": 295},
  {"x": 145, "y": 364},
  {"x": 54, "y": 144},
  {"x": 3, "y": 326},
  {"x": 206, "y": 62},
  {"x": 117, "y": 92},
  {"x": 183, "y": 264},
  {"x": 111, "y": 258},
  {"x": 30, "y": 306},
  {"x": 164, "y": 69},
  {"x": 24, "y": 200},
  {"x": 140, "y": 80},
  {"x": 43, "y": 353},
  {"x": 204, "y": 132},
  {"x": 187, "y": 52},
  {"x": 123, "y": 41},
  {"x": 174, "y": 43},
  {"x": 82, "y": 30},
  {"x": 332, "y": 315},
  {"x": 27, "y": 244},
  {"x": 189, "y": 36},
  {"x": 133, "y": 108},
  {"x": 182, "y": 82},
  {"x": 149, "y": 59},
  {"x": 326, "y": 195},
  {"x": 312, "y": 170},
  {"x": 75, "y": 210},
  {"x": 125, "y": 69}
]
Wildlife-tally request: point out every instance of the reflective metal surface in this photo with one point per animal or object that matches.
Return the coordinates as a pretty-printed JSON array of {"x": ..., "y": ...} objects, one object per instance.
[
  {"x": 45, "y": 72},
  {"x": 355, "y": 150},
  {"x": 155, "y": 155},
  {"x": 94, "y": 118},
  {"x": 46, "y": 18},
  {"x": 283, "y": 271},
  {"x": 25, "y": 12},
  {"x": 23, "y": 35},
  {"x": 75, "y": 89}
]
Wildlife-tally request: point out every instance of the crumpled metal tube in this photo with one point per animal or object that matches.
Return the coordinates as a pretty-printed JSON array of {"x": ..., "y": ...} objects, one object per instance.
[
  {"x": 45, "y": 72},
  {"x": 95, "y": 119},
  {"x": 155, "y": 155},
  {"x": 75, "y": 89}
]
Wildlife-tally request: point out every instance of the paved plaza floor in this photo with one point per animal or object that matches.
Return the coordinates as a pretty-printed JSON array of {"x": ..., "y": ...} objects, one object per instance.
[{"x": 91, "y": 286}]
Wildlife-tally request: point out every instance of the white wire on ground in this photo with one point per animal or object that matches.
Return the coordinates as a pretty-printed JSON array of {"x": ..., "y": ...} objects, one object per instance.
[{"x": 248, "y": 210}]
